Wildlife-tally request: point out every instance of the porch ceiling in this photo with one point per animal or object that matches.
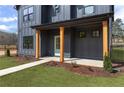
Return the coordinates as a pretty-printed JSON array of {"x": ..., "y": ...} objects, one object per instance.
[{"x": 84, "y": 21}]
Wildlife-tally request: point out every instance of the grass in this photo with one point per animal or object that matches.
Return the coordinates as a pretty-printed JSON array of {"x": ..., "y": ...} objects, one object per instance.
[
  {"x": 6, "y": 62},
  {"x": 117, "y": 54},
  {"x": 43, "y": 76}
]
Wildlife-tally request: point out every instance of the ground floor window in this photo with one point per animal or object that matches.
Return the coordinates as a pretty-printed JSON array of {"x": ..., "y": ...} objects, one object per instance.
[
  {"x": 28, "y": 42},
  {"x": 95, "y": 33},
  {"x": 82, "y": 34}
]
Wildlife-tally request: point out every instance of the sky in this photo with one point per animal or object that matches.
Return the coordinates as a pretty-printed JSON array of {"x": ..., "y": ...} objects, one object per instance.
[
  {"x": 8, "y": 17},
  {"x": 119, "y": 12}
]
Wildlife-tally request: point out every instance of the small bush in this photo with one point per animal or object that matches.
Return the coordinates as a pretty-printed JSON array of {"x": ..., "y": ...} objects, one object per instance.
[
  {"x": 7, "y": 52},
  {"x": 107, "y": 64}
]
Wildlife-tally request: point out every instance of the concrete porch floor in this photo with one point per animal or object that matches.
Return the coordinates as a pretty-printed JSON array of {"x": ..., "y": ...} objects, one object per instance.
[{"x": 86, "y": 62}]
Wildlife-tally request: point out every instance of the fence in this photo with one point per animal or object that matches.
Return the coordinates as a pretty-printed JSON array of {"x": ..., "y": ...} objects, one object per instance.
[
  {"x": 13, "y": 49},
  {"x": 117, "y": 53}
]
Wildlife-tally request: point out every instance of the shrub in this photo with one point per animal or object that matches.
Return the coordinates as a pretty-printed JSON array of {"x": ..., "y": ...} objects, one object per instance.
[
  {"x": 107, "y": 64},
  {"x": 7, "y": 52}
]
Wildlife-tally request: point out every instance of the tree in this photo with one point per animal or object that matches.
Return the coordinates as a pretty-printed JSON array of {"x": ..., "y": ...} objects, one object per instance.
[{"x": 117, "y": 28}]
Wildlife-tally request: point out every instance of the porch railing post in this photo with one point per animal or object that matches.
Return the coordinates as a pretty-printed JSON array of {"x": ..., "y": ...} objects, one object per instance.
[
  {"x": 105, "y": 38},
  {"x": 61, "y": 44},
  {"x": 37, "y": 44}
]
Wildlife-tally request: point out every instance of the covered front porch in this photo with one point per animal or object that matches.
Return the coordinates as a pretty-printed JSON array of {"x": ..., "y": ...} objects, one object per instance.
[{"x": 101, "y": 20}]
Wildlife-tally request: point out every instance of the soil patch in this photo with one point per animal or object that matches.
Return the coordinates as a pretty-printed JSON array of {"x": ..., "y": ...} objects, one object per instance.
[
  {"x": 83, "y": 70},
  {"x": 23, "y": 59}
]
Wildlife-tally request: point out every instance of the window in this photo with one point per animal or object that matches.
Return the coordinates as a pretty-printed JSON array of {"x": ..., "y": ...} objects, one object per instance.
[
  {"x": 25, "y": 18},
  {"x": 95, "y": 33},
  {"x": 25, "y": 11},
  {"x": 28, "y": 14},
  {"x": 82, "y": 34},
  {"x": 57, "y": 8},
  {"x": 89, "y": 9},
  {"x": 30, "y": 17},
  {"x": 28, "y": 42},
  {"x": 30, "y": 10}
]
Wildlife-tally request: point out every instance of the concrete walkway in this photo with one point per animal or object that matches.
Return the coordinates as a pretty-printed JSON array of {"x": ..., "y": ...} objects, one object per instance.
[
  {"x": 21, "y": 67},
  {"x": 87, "y": 62}
]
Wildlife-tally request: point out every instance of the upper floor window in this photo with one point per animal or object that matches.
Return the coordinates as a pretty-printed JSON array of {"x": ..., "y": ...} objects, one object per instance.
[
  {"x": 89, "y": 9},
  {"x": 28, "y": 14},
  {"x": 25, "y": 11},
  {"x": 30, "y": 10},
  {"x": 57, "y": 8}
]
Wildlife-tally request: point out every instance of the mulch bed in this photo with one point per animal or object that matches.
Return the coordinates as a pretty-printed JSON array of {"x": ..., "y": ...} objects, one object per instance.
[
  {"x": 24, "y": 59},
  {"x": 83, "y": 70}
]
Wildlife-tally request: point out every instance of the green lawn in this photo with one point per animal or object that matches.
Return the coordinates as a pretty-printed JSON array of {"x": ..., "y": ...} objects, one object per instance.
[
  {"x": 117, "y": 54},
  {"x": 6, "y": 62},
  {"x": 55, "y": 76}
]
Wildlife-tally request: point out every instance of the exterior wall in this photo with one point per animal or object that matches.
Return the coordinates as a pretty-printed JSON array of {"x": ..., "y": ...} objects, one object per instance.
[
  {"x": 88, "y": 47},
  {"x": 63, "y": 14},
  {"x": 74, "y": 46},
  {"x": 110, "y": 34},
  {"x": 68, "y": 12},
  {"x": 98, "y": 9},
  {"x": 47, "y": 44},
  {"x": 25, "y": 30},
  {"x": 50, "y": 15},
  {"x": 46, "y": 14}
]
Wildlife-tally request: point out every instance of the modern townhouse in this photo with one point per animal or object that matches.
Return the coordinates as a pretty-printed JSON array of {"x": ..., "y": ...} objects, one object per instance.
[{"x": 74, "y": 31}]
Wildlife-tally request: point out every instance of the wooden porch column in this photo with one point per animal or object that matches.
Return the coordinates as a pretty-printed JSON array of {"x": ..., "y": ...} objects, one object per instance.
[
  {"x": 37, "y": 44},
  {"x": 105, "y": 38},
  {"x": 61, "y": 44}
]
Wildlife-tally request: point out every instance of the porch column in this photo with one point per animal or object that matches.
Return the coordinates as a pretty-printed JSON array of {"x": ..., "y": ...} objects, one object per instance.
[
  {"x": 61, "y": 44},
  {"x": 105, "y": 38},
  {"x": 37, "y": 44}
]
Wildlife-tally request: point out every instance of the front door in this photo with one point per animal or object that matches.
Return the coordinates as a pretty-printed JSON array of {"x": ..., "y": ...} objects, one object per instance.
[{"x": 57, "y": 45}]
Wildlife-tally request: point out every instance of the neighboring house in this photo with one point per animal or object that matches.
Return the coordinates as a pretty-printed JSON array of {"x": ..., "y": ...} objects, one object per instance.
[{"x": 79, "y": 31}]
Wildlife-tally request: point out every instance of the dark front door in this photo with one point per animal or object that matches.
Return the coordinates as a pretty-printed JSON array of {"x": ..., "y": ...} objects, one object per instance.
[{"x": 88, "y": 44}]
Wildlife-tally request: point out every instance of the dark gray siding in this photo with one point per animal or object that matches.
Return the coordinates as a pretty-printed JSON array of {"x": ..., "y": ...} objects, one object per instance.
[
  {"x": 88, "y": 47},
  {"x": 110, "y": 34},
  {"x": 49, "y": 14},
  {"x": 67, "y": 12},
  {"x": 47, "y": 42},
  {"x": 73, "y": 45},
  {"x": 63, "y": 14},
  {"x": 25, "y": 30},
  {"x": 98, "y": 9}
]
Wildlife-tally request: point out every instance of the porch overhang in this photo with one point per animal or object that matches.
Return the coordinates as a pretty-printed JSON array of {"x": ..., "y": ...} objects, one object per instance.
[
  {"x": 95, "y": 20},
  {"x": 84, "y": 21}
]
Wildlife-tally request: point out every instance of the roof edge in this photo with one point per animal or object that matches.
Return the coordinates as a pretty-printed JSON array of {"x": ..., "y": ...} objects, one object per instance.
[{"x": 17, "y": 7}]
